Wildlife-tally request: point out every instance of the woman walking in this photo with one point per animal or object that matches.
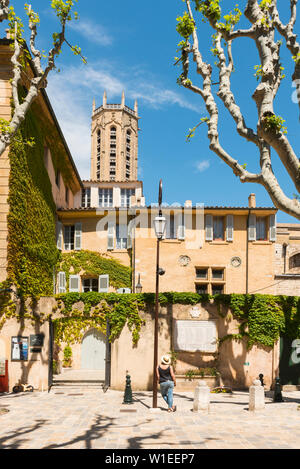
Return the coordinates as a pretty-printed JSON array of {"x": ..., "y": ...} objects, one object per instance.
[{"x": 167, "y": 381}]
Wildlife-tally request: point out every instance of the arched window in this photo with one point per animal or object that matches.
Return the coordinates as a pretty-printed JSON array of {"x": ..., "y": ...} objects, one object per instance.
[
  {"x": 294, "y": 262},
  {"x": 98, "y": 153},
  {"x": 113, "y": 153},
  {"x": 128, "y": 153}
]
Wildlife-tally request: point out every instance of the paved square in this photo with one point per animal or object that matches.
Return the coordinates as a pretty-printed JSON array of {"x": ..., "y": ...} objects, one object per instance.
[{"x": 93, "y": 420}]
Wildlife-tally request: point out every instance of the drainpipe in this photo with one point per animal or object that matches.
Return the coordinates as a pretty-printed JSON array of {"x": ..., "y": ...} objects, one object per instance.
[
  {"x": 247, "y": 254},
  {"x": 284, "y": 256}
]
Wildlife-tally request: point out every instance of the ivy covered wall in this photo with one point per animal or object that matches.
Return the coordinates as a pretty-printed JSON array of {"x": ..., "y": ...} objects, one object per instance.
[{"x": 32, "y": 251}]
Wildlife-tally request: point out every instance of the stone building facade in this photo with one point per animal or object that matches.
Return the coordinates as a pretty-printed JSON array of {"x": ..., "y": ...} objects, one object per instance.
[{"x": 287, "y": 259}]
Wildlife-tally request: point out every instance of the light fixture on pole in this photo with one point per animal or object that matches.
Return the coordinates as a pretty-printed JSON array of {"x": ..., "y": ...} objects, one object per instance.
[
  {"x": 138, "y": 287},
  {"x": 159, "y": 227}
]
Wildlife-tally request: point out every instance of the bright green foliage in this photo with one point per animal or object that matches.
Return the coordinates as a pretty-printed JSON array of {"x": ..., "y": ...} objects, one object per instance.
[
  {"x": 92, "y": 264},
  {"x": 118, "y": 309},
  {"x": 210, "y": 9},
  {"x": 230, "y": 20},
  {"x": 185, "y": 26},
  {"x": 265, "y": 4},
  {"x": 296, "y": 58},
  {"x": 32, "y": 251},
  {"x": 274, "y": 123}
]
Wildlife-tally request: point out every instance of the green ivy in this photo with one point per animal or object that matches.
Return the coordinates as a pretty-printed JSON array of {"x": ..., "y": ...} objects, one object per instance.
[{"x": 92, "y": 264}]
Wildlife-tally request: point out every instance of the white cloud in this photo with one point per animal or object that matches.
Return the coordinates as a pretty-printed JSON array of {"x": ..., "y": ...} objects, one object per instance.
[
  {"x": 91, "y": 31},
  {"x": 71, "y": 93},
  {"x": 202, "y": 165}
]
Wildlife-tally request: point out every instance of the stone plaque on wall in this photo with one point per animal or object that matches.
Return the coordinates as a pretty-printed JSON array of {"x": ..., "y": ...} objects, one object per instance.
[{"x": 195, "y": 336}]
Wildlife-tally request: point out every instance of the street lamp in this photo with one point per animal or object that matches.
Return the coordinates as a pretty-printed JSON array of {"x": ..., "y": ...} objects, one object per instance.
[
  {"x": 139, "y": 287},
  {"x": 159, "y": 227}
]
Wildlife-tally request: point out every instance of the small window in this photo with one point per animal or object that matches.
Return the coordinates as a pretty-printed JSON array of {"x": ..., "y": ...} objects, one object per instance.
[
  {"x": 217, "y": 289},
  {"x": 86, "y": 197},
  {"x": 261, "y": 228},
  {"x": 218, "y": 227},
  {"x": 201, "y": 289},
  {"x": 201, "y": 273},
  {"x": 105, "y": 197},
  {"x": 218, "y": 274},
  {"x": 121, "y": 237},
  {"x": 69, "y": 237},
  {"x": 171, "y": 232},
  {"x": 90, "y": 284}
]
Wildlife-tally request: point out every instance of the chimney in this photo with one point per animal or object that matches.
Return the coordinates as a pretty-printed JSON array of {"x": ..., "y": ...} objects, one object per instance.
[
  {"x": 251, "y": 201},
  {"x": 188, "y": 204}
]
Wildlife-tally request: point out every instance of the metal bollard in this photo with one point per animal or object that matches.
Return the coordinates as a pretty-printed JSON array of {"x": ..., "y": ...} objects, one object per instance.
[
  {"x": 277, "y": 391},
  {"x": 128, "y": 391}
]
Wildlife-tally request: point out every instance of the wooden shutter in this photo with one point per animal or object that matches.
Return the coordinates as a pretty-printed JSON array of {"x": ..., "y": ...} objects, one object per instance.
[
  {"x": 59, "y": 235},
  {"x": 74, "y": 283},
  {"x": 252, "y": 228},
  {"x": 209, "y": 227},
  {"x": 77, "y": 240},
  {"x": 272, "y": 228},
  {"x": 229, "y": 227},
  {"x": 61, "y": 282},
  {"x": 130, "y": 233},
  {"x": 181, "y": 227},
  {"x": 103, "y": 283},
  {"x": 110, "y": 237}
]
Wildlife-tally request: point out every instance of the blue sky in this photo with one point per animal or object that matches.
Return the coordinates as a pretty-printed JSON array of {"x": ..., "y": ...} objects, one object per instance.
[{"x": 131, "y": 46}]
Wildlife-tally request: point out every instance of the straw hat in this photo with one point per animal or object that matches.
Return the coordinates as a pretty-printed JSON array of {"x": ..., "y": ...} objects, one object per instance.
[{"x": 166, "y": 360}]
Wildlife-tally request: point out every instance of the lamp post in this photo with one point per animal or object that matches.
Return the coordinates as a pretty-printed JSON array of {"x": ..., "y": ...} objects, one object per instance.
[
  {"x": 139, "y": 287},
  {"x": 159, "y": 226}
]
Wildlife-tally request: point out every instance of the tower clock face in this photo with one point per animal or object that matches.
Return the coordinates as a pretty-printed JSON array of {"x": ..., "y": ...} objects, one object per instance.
[{"x": 184, "y": 260}]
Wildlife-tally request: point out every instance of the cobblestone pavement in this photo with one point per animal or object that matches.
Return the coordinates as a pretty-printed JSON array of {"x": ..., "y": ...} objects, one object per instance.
[{"x": 71, "y": 419}]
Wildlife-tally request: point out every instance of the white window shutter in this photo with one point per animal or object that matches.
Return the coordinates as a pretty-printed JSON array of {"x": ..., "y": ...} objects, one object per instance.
[
  {"x": 229, "y": 227},
  {"x": 272, "y": 228},
  {"x": 78, "y": 232},
  {"x": 110, "y": 237},
  {"x": 59, "y": 235},
  {"x": 103, "y": 283},
  {"x": 130, "y": 232},
  {"x": 61, "y": 282},
  {"x": 74, "y": 283},
  {"x": 181, "y": 232},
  {"x": 252, "y": 228},
  {"x": 209, "y": 228}
]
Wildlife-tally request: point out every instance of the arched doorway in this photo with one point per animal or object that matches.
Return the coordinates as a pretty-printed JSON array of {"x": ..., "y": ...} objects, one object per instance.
[{"x": 93, "y": 351}]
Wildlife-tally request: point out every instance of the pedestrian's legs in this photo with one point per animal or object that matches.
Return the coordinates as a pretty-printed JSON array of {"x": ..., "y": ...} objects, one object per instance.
[{"x": 170, "y": 394}]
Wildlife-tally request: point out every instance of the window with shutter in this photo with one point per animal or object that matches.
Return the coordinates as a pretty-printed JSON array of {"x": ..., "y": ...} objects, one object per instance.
[
  {"x": 261, "y": 228},
  {"x": 252, "y": 227},
  {"x": 110, "y": 237},
  {"x": 218, "y": 228},
  {"x": 272, "y": 228},
  {"x": 61, "y": 282},
  {"x": 78, "y": 231},
  {"x": 74, "y": 283},
  {"x": 59, "y": 235},
  {"x": 103, "y": 283},
  {"x": 229, "y": 227},
  {"x": 208, "y": 227},
  {"x": 181, "y": 227}
]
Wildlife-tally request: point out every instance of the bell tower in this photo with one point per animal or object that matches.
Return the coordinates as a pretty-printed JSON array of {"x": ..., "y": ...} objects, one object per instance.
[{"x": 114, "y": 154}]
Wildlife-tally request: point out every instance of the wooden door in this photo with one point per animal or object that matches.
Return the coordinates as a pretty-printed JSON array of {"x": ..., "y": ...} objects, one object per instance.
[{"x": 93, "y": 350}]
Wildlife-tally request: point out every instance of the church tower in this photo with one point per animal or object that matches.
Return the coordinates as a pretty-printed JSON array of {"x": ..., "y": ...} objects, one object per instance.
[{"x": 114, "y": 154}]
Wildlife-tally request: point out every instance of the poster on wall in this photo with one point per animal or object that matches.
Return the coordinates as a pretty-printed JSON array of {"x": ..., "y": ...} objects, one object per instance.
[
  {"x": 19, "y": 348},
  {"x": 195, "y": 336},
  {"x": 2, "y": 366}
]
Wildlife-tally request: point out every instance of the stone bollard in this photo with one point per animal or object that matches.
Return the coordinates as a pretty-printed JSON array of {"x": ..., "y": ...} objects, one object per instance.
[
  {"x": 256, "y": 396},
  {"x": 201, "y": 397}
]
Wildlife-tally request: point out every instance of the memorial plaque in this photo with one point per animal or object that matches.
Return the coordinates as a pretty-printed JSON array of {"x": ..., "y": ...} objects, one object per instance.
[
  {"x": 37, "y": 340},
  {"x": 195, "y": 336}
]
